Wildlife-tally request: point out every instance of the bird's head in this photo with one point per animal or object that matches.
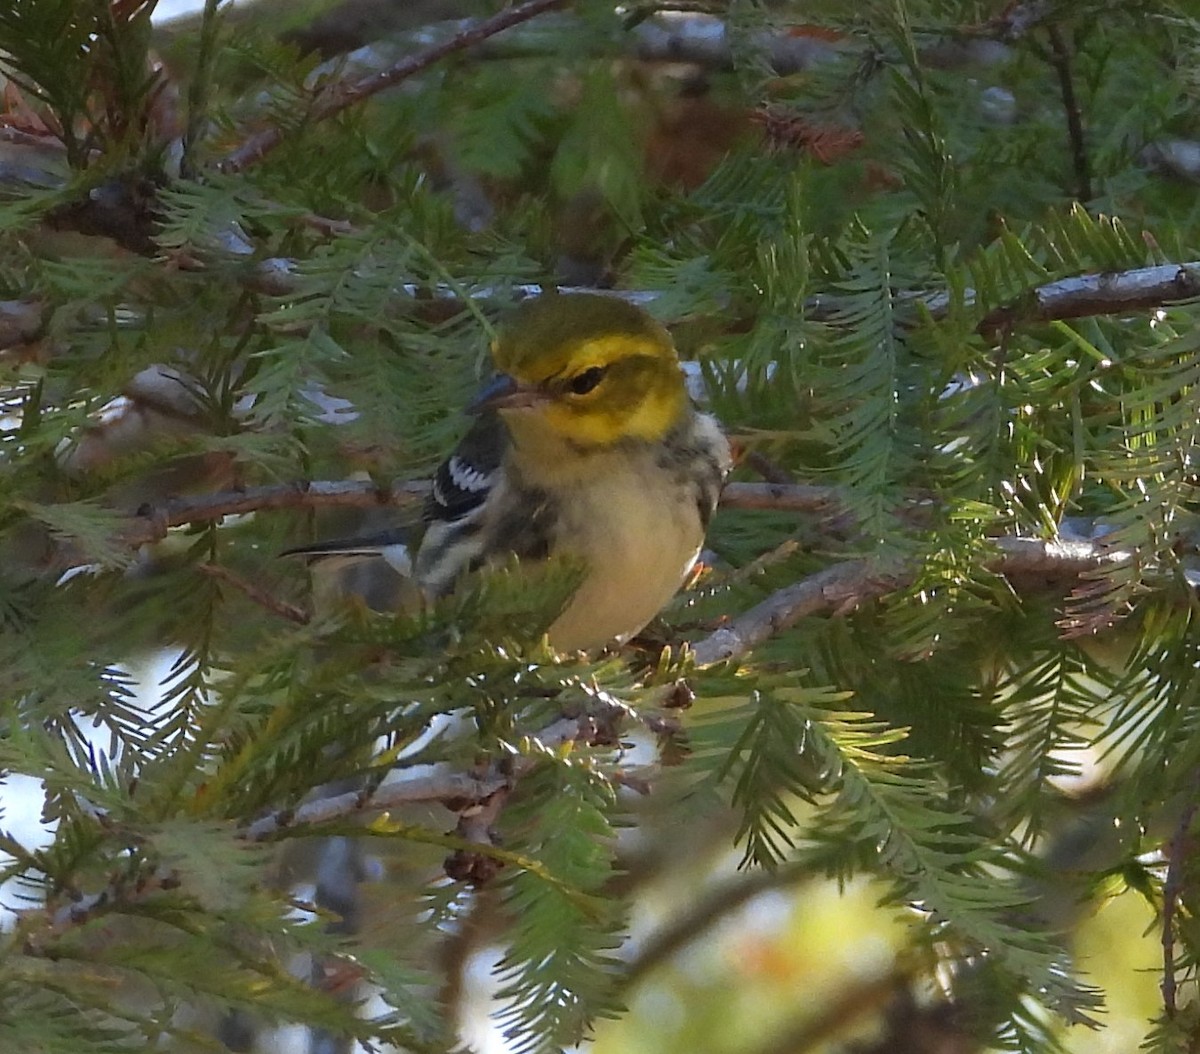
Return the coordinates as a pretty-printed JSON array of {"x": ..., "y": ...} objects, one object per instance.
[{"x": 591, "y": 369}]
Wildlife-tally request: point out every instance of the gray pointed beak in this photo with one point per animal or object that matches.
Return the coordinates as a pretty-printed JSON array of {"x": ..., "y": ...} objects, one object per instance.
[{"x": 503, "y": 392}]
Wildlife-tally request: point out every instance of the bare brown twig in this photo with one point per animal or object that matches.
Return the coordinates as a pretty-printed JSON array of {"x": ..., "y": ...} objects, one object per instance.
[
  {"x": 1172, "y": 891},
  {"x": 259, "y": 596},
  {"x": 152, "y": 523},
  {"x": 839, "y": 588},
  {"x": 823, "y": 1020},
  {"x": 706, "y": 909},
  {"x": 843, "y": 587},
  {"x": 340, "y": 96},
  {"x": 1061, "y": 61},
  {"x": 439, "y": 784}
]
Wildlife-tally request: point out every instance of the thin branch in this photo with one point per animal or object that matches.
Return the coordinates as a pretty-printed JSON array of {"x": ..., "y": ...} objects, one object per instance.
[
  {"x": 438, "y": 784},
  {"x": 1061, "y": 62},
  {"x": 822, "y": 1020},
  {"x": 1173, "y": 889},
  {"x": 340, "y": 96},
  {"x": 121, "y": 889},
  {"x": 839, "y": 588},
  {"x": 1056, "y": 558},
  {"x": 443, "y": 784},
  {"x": 259, "y": 596},
  {"x": 1098, "y": 293},
  {"x": 786, "y": 497},
  {"x": 152, "y": 522},
  {"x": 704, "y": 911},
  {"x": 693, "y": 33},
  {"x": 696, "y": 37}
]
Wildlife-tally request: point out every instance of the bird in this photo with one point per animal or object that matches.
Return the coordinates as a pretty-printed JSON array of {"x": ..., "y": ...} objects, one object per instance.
[{"x": 586, "y": 445}]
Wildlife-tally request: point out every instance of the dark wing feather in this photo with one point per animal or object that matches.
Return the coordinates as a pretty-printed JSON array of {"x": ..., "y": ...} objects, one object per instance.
[{"x": 463, "y": 480}]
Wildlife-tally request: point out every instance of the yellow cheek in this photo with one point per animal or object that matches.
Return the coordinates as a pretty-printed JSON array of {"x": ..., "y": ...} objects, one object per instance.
[
  {"x": 650, "y": 418},
  {"x": 594, "y": 428}
]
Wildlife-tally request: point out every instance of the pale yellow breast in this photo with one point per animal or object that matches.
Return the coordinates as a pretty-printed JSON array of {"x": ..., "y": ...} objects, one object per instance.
[{"x": 639, "y": 532}]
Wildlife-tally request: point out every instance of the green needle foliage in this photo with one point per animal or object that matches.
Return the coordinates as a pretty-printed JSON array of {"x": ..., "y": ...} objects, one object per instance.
[{"x": 858, "y": 250}]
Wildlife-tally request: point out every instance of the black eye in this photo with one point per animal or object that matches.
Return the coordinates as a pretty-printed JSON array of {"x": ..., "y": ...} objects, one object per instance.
[{"x": 584, "y": 382}]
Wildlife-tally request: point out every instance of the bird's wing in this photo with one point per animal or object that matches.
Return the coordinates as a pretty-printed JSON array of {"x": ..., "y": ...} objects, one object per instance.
[
  {"x": 464, "y": 480},
  {"x": 454, "y": 512}
]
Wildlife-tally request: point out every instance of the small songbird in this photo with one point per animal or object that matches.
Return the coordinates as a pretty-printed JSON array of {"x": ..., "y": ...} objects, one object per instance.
[{"x": 586, "y": 444}]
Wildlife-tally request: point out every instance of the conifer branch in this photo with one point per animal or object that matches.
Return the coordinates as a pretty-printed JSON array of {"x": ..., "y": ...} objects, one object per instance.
[
  {"x": 342, "y": 95},
  {"x": 459, "y": 791},
  {"x": 654, "y": 33},
  {"x": 1099, "y": 293},
  {"x": 1103, "y": 293},
  {"x": 121, "y": 890},
  {"x": 691, "y": 33},
  {"x": 845, "y": 586},
  {"x": 838, "y": 588}
]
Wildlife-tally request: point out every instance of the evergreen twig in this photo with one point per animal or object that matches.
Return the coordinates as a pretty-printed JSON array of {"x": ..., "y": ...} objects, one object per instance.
[{"x": 200, "y": 88}]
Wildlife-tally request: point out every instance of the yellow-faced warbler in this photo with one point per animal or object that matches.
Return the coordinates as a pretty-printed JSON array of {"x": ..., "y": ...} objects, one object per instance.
[{"x": 585, "y": 444}]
